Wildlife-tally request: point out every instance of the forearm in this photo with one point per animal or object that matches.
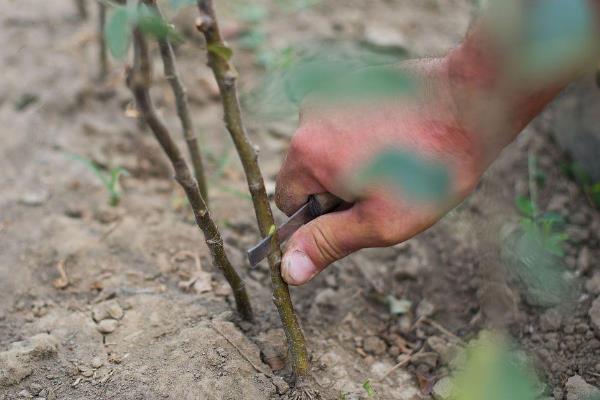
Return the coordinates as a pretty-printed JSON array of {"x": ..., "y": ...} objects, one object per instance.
[{"x": 502, "y": 97}]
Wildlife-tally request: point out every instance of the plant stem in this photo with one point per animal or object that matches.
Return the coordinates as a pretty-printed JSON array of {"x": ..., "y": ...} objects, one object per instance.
[
  {"x": 533, "y": 192},
  {"x": 81, "y": 9},
  {"x": 139, "y": 80},
  {"x": 226, "y": 75},
  {"x": 102, "y": 53},
  {"x": 181, "y": 101}
]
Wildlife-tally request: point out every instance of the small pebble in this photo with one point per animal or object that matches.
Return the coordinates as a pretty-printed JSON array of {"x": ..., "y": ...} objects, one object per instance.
[
  {"x": 34, "y": 198},
  {"x": 593, "y": 284},
  {"x": 429, "y": 359},
  {"x": 584, "y": 260},
  {"x": 87, "y": 373},
  {"x": 281, "y": 385},
  {"x": 96, "y": 362},
  {"x": 374, "y": 345},
  {"x": 551, "y": 320},
  {"x": 443, "y": 389},
  {"x": 425, "y": 309},
  {"x": 107, "y": 326}
]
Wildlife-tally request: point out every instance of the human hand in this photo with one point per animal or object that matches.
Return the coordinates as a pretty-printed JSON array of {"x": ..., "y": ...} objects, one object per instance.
[{"x": 331, "y": 145}]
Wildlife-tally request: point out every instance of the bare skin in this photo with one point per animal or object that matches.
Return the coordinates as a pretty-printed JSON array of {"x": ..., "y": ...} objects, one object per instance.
[{"x": 461, "y": 95}]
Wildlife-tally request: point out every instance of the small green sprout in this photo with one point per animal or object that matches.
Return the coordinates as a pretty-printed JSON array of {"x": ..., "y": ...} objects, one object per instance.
[
  {"x": 535, "y": 250},
  {"x": 369, "y": 389},
  {"x": 110, "y": 178}
]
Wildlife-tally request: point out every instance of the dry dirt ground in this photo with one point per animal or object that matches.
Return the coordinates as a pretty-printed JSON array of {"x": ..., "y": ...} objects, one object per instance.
[{"x": 128, "y": 270}]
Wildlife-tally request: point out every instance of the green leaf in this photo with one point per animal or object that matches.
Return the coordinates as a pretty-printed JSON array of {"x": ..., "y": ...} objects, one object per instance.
[
  {"x": 25, "y": 101},
  {"x": 152, "y": 23},
  {"x": 117, "y": 32},
  {"x": 525, "y": 206},
  {"x": 495, "y": 371},
  {"x": 412, "y": 176},
  {"x": 222, "y": 51},
  {"x": 177, "y": 4},
  {"x": 550, "y": 47},
  {"x": 369, "y": 388}
]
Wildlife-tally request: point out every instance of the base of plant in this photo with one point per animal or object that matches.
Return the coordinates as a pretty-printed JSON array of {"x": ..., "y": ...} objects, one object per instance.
[{"x": 304, "y": 389}]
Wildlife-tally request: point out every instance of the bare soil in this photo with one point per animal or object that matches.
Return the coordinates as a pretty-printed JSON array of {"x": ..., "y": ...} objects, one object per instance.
[{"x": 135, "y": 263}]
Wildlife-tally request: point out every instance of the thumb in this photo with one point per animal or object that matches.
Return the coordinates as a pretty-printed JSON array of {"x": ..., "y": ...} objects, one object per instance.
[{"x": 322, "y": 241}]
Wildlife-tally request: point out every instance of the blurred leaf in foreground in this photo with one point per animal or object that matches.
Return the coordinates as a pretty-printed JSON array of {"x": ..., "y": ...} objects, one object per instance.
[
  {"x": 334, "y": 70},
  {"x": 117, "y": 32},
  {"x": 177, "y": 4},
  {"x": 152, "y": 23},
  {"x": 494, "y": 370},
  {"x": 411, "y": 176},
  {"x": 545, "y": 38},
  {"x": 557, "y": 33}
]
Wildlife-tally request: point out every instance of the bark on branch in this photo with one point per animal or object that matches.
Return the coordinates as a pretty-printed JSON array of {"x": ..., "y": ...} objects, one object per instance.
[
  {"x": 181, "y": 103},
  {"x": 139, "y": 80},
  {"x": 226, "y": 75},
  {"x": 102, "y": 49}
]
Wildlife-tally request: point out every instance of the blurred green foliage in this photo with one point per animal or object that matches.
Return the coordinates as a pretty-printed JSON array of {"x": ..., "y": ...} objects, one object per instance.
[
  {"x": 411, "y": 176},
  {"x": 123, "y": 19},
  {"x": 333, "y": 70},
  {"x": 545, "y": 38},
  {"x": 495, "y": 370},
  {"x": 576, "y": 172},
  {"x": 556, "y": 33}
]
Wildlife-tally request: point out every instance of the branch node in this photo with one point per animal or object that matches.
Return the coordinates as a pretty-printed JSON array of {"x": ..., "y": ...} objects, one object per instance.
[{"x": 204, "y": 23}]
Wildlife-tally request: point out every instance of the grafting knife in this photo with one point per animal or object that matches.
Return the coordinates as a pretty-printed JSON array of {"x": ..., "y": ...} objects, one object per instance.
[{"x": 316, "y": 206}]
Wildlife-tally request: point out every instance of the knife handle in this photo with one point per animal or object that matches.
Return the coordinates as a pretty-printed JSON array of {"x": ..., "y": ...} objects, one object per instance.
[{"x": 322, "y": 203}]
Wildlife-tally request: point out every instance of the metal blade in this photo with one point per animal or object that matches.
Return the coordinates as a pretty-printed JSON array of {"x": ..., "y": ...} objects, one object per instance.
[{"x": 284, "y": 232}]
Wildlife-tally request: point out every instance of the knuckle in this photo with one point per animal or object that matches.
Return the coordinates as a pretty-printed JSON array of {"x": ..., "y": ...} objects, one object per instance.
[
  {"x": 383, "y": 232},
  {"x": 326, "y": 244}
]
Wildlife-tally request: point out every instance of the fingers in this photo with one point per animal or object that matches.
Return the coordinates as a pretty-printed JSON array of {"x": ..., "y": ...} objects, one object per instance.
[
  {"x": 295, "y": 181},
  {"x": 379, "y": 221},
  {"x": 325, "y": 240}
]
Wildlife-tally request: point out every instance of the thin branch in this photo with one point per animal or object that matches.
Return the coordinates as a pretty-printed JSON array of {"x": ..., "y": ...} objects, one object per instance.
[
  {"x": 81, "y": 9},
  {"x": 181, "y": 101},
  {"x": 102, "y": 50},
  {"x": 139, "y": 80},
  {"x": 226, "y": 76}
]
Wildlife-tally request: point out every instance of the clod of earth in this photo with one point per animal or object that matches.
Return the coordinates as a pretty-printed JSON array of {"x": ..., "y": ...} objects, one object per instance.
[
  {"x": 17, "y": 363},
  {"x": 107, "y": 326},
  {"x": 579, "y": 389},
  {"x": 595, "y": 314},
  {"x": 107, "y": 310}
]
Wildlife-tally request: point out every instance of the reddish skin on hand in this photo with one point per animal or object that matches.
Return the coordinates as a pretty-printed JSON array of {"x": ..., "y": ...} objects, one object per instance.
[{"x": 447, "y": 122}]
